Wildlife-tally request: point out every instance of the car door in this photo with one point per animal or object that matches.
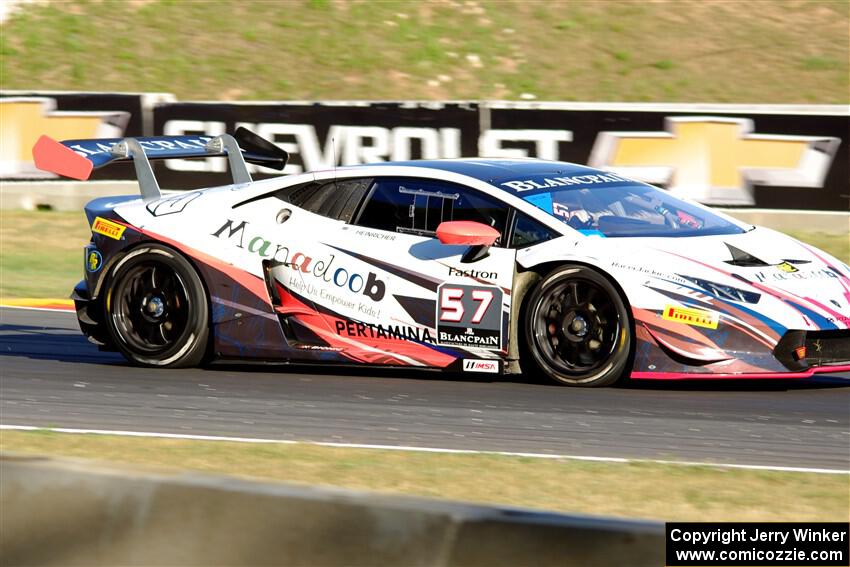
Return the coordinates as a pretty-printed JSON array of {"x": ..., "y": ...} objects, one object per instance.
[{"x": 384, "y": 290}]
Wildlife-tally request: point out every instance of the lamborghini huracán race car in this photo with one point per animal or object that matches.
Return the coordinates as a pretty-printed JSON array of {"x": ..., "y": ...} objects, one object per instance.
[{"x": 474, "y": 265}]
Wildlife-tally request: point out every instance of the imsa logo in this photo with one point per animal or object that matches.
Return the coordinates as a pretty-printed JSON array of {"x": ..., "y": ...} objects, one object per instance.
[
  {"x": 478, "y": 365},
  {"x": 695, "y": 317}
]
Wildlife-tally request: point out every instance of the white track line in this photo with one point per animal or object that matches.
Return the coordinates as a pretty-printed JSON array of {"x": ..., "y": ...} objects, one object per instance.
[
  {"x": 416, "y": 449},
  {"x": 70, "y": 311},
  {"x": 398, "y": 447}
]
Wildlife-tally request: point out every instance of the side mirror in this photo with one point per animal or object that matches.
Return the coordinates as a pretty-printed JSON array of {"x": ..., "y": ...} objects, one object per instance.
[
  {"x": 479, "y": 237},
  {"x": 470, "y": 233}
]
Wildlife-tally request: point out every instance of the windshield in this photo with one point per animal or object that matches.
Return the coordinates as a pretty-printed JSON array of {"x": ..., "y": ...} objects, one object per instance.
[{"x": 628, "y": 210}]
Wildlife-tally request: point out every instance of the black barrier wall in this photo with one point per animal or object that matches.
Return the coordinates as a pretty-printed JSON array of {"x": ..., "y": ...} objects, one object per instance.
[
  {"x": 26, "y": 115},
  {"x": 719, "y": 156},
  {"x": 323, "y": 135},
  {"x": 764, "y": 156}
]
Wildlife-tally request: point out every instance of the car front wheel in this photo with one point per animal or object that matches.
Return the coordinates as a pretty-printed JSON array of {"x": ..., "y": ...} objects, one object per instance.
[
  {"x": 156, "y": 309},
  {"x": 577, "y": 328}
]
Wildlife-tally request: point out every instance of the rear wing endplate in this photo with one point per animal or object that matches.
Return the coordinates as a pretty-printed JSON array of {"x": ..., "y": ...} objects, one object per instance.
[{"x": 77, "y": 158}]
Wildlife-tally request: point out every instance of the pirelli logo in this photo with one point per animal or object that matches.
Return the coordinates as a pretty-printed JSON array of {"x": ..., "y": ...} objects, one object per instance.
[
  {"x": 108, "y": 228},
  {"x": 695, "y": 317}
]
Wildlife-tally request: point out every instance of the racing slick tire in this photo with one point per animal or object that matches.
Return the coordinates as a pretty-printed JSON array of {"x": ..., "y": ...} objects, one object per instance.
[
  {"x": 577, "y": 328},
  {"x": 156, "y": 309}
]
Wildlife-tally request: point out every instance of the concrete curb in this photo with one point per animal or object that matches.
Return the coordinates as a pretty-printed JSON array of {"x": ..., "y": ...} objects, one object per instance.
[
  {"x": 74, "y": 512},
  {"x": 49, "y": 303},
  {"x": 60, "y": 195}
]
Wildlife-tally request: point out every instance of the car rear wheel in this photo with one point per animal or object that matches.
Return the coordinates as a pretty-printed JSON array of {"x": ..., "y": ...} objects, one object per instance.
[
  {"x": 156, "y": 309},
  {"x": 577, "y": 328}
]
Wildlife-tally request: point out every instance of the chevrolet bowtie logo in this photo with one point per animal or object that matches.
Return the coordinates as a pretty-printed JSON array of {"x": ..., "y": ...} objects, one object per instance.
[
  {"x": 23, "y": 120},
  {"x": 715, "y": 160}
]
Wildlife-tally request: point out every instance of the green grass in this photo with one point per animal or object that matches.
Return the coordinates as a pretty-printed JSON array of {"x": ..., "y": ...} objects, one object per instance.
[
  {"x": 836, "y": 244},
  {"x": 617, "y": 50},
  {"x": 41, "y": 251},
  {"x": 645, "y": 490},
  {"x": 820, "y": 64}
]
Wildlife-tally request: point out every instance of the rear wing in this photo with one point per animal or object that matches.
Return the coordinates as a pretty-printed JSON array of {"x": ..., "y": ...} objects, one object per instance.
[{"x": 77, "y": 158}]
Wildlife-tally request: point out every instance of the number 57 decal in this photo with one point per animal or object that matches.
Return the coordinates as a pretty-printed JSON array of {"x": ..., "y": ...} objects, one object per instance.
[
  {"x": 451, "y": 304},
  {"x": 469, "y": 315}
]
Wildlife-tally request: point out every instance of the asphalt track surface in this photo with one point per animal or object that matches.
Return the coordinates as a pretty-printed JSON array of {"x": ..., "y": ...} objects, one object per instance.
[{"x": 50, "y": 376}]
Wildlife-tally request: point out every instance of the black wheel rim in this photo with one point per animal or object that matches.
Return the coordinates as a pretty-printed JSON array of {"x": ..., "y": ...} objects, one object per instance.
[
  {"x": 576, "y": 327},
  {"x": 150, "y": 308}
]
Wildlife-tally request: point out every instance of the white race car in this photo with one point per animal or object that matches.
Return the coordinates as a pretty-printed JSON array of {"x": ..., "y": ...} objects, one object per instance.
[{"x": 474, "y": 265}]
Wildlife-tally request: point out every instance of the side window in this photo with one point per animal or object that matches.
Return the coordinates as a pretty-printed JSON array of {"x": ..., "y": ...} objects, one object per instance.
[
  {"x": 297, "y": 193},
  {"x": 418, "y": 206},
  {"x": 528, "y": 232},
  {"x": 336, "y": 199}
]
